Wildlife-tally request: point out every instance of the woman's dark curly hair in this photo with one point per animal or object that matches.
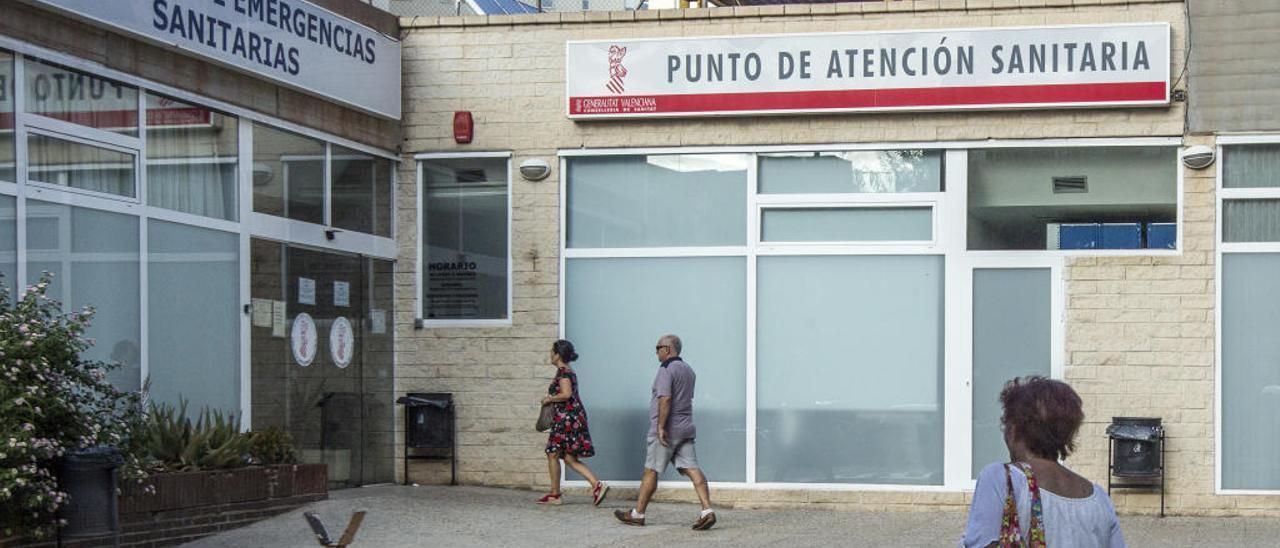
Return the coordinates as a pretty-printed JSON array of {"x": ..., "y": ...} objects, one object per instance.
[
  {"x": 1044, "y": 414},
  {"x": 564, "y": 349}
]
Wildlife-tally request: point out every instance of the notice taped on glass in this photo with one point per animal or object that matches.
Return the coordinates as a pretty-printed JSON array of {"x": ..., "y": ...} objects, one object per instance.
[
  {"x": 453, "y": 290},
  {"x": 262, "y": 309}
]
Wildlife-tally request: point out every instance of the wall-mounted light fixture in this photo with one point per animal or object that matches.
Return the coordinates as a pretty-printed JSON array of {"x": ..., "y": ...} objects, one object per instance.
[
  {"x": 534, "y": 169},
  {"x": 1197, "y": 156}
]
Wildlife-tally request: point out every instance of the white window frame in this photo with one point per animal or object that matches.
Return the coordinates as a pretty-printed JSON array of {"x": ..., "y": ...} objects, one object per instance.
[
  {"x": 960, "y": 348},
  {"x": 246, "y": 226},
  {"x": 1226, "y": 194},
  {"x": 420, "y": 319},
  {"x": 950, "y": 209},
  {"x": 845, "y": 204},
  {"x": 135, "y": 153},
  {"x": 322, "y": 236}
]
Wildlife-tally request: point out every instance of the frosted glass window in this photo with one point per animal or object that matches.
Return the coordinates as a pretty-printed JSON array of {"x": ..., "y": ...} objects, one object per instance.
[
  {"x": 193, "y": 315},
  {"x": 657, "y": 201},
  {"x": 465, "y": 239},
  {"x": 615, "y": 310},
  {"x": 191, "y": 158},
  {"x": 80, "y": 98},
  {"x": 1016, "y": 193},
  {"x": 9, "y": 245},
  {"x": 76, "y": 165},
  {"x": 849, "y": 369},
  {"x": 854, "y": 171},
  {"x": 1251, "y": 166},
  {"x": 1009, "y": 304},
  {"x": 288, "y": 175},
  {"x": 1250, "y": 370},
  {"x": 8, "y": 171},
  {"x": 846, "y": 224},
  {"x": 93, "y": 256},
  {"x": 1251, "y": 220}
]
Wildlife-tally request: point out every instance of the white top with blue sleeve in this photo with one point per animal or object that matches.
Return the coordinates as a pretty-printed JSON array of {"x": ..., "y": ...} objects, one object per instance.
[{"x": 1088, "y": 522}]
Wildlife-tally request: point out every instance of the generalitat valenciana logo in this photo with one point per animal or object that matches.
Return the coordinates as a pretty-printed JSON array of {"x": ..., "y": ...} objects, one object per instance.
[{"x": 616, "y": 71}]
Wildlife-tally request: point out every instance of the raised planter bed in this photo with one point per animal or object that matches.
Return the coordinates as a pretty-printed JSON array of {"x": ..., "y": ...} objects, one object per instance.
[{"x": 186, "y": 506}]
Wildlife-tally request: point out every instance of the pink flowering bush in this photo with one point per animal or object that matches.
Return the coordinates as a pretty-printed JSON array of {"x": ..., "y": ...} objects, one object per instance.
[{"x": 52, "y": 401}]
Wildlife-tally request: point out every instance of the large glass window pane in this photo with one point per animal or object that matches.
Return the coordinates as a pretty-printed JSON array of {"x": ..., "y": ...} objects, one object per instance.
[
  {"x": 464, "y": 239},
  {"x": 1251, "y": 220},
  {"x": 1251, "y": 166},
  {"x": 70, "y": 164},
  {"x": 657, "y": 201},
  {"x": 1250, "y": 375},
  {"x": 378, "y": 373},
  {"x": 338, "y": 403},
  {"x": 93, "y": 256},
  {"x": 856, "y": 171},
  {"x": 384, "y": 192},
  {"x": 820, "y": 224},
  {"x": 80, "y": 98},
  {"x": 272, "y": 373},
  {"x": 849, "y": 369},
  {"x": 193, "y": 282},
  {"x": 288, "y": 175},
  {"x": 9, "y": 244},
  {"x": 1016, "y": 194},
  {"x": 615, "y": 309},
  {"x": 8, "y": 170},
  {"x": 1009, "y": 304},
  {"x": 361, "y": 191},
  {"x": 191, "y": 158}
]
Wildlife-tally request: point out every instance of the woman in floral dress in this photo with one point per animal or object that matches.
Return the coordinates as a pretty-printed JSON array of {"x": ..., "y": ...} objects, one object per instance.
[{"x": 569, "y": 438}]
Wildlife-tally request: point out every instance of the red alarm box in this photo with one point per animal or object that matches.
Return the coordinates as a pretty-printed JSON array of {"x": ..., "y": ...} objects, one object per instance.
[{"x": 463, "y": 127}]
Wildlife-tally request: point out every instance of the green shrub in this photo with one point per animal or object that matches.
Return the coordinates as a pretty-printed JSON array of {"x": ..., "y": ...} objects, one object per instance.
[
  {"x": 52, "y": 401},
  {"x": 272, "y": 446},
  {"x": 213, "y": 442}
]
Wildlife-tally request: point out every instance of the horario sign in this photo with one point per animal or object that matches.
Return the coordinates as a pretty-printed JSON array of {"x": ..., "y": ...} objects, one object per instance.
[{"x": 993, "y": 68}]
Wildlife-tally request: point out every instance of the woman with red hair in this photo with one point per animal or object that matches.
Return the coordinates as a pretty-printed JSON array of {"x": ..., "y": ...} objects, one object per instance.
[{"x": 1034, "y": 500}]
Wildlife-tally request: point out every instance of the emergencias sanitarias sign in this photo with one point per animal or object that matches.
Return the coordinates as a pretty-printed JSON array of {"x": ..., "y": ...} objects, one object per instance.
[
  {"x": 293, "y": 42},
  {"x": 994, "y": 68}
]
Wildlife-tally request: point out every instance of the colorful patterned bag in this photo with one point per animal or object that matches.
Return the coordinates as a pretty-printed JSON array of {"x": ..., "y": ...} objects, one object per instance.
[{"x": 1010, "y": 532}]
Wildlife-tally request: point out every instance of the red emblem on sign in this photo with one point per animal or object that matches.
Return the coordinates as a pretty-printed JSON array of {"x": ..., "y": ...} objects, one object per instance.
[{"x": 616, "y": 71}]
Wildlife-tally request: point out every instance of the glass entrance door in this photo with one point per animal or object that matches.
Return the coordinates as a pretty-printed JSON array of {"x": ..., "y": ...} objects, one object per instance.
[
  {"x": 321, "y": 357},
  {"x": 1015, "y": 309}
]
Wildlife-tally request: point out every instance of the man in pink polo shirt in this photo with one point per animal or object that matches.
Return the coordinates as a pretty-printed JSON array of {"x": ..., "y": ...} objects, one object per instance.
[{"x": 671, "y": 434}]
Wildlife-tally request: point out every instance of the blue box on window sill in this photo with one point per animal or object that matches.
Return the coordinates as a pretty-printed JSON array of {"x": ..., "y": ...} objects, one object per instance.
[
  {"x": 1162, "y": 235},
  {"x": 1121, "y": 236},
  {"x": 1079, "y": 235}
]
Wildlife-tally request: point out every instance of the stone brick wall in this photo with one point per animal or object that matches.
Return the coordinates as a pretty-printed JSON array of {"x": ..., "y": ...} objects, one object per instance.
[
  {"x": 1140, "y": 342},
  {"x": 1139, "y": 332}
]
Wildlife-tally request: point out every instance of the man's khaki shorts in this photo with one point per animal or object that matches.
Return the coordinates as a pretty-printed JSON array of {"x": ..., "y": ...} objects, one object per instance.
[{"x": 658, "y": 456}]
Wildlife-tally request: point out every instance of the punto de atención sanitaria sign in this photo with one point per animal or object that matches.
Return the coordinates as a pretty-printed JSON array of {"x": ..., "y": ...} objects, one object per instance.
[{"x": 993, "y": 68}]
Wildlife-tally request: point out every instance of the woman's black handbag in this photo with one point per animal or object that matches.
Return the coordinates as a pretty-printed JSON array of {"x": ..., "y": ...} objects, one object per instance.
[{"x": 546, "y": 417}]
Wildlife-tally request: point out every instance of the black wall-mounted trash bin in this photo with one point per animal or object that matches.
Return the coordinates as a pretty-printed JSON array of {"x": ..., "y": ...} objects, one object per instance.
[
  {"x": 430, "y": 426},
  {"x": 1136, "y": 455},
  {"x": 89, "y": 478}
]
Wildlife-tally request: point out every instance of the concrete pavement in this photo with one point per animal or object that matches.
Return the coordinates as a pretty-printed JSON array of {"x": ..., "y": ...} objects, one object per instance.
[{"x": 485, "y": 517}]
